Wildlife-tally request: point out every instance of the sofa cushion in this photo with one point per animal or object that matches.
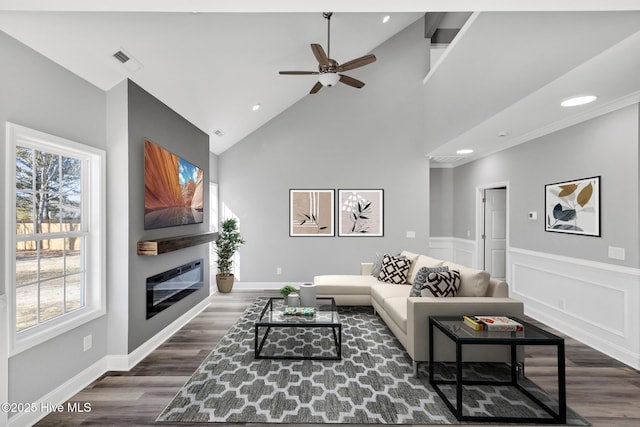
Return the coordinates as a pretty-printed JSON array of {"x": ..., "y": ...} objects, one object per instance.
[
  {"x": 473, "y": 283},
  {"x": 422, "y": 261},
  {"x": 441, "y": 284},
  {"x": 421, "y": 278},
  {"x": 348, "y": 284},
  {"x": 396, "y": 308},
  {"x": 394, "y": 269}
]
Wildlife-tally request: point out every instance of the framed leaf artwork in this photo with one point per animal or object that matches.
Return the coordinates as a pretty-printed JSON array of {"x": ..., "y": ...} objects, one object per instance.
[
  {"x": 361, "y": 213},
  {"x": 311, "y": 213},
  {"x": 573, "y": 207}
]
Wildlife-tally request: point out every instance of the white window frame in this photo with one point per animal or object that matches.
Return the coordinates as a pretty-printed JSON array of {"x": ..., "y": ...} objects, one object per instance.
[{"x": 93, "y": 211}]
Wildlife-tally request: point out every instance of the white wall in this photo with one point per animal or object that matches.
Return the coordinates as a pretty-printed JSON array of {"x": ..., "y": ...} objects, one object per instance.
[
  {"x": 338, "y": 138},
  {"x": 566, "y": 281}
]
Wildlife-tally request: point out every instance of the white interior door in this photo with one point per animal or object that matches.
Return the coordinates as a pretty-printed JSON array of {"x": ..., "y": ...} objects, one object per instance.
[{"x": 495, "y": 231}]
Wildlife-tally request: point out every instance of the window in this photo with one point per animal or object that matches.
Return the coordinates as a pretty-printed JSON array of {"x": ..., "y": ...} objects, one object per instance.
[{"x": 55, "y": 234}]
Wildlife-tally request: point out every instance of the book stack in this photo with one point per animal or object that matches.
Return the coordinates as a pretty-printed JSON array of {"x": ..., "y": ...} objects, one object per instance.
[
  {"x": 492, "y": 323},
  {"x": 299, "y": 311}
]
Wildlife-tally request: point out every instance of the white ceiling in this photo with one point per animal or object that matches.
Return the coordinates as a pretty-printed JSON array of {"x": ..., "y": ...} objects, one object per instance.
[{"x": 502, "y": 72}]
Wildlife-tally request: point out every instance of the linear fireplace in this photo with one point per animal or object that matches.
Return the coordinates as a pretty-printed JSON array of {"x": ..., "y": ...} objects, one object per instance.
[{"x": 169, "y": 287}]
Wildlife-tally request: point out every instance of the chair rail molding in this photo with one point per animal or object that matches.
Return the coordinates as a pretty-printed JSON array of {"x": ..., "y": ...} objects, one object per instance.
[
  {"x": 596, "y": 303},
  {"x": 455, "y": 249}
]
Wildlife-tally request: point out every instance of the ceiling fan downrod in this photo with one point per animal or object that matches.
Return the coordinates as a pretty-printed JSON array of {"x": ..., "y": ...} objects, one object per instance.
[{"x": 327, "y": 16}]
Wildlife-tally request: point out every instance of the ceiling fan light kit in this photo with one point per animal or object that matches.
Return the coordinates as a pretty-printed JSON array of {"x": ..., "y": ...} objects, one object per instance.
[{"x": 329, "y": 69}]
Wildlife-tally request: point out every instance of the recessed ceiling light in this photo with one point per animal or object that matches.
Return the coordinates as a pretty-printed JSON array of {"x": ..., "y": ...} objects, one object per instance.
[
  {"x": 256, "y": 107},
  {"x": 465, "y": 151},
  {"x": 578, "y": 100},
  {"x": 386, "y": 19}
]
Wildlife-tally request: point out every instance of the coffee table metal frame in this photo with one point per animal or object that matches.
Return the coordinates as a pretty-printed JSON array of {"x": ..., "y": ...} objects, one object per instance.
[
  {"x": 454, "y": 328},
  {"x": 316, "y": 321}
]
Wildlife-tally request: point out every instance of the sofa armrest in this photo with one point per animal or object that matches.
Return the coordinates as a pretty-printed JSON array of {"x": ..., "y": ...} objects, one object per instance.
[
  {"x": 420, "y": 308},
  {"x": 366, "y": 268},
  {"x": 497, "y": 288}
]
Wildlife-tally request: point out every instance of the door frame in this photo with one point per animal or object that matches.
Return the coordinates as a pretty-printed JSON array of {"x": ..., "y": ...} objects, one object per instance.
[{"x": 480, "y": 225}]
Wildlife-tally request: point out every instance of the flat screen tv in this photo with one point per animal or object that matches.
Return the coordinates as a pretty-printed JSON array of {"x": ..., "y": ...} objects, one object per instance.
[{"x": 173, "y": 189}]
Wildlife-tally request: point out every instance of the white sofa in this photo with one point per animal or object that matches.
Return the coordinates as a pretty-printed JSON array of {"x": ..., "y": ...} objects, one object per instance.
[{"x": 408, "y": 317}]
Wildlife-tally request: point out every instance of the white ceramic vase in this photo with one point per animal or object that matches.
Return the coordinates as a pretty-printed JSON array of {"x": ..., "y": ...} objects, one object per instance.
[
  {"x": 293, "y": 300},
  {"x": 307, "y": 295}
]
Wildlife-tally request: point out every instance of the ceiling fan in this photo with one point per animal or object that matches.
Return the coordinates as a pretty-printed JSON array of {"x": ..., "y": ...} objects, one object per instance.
[{"x": 328, "y": 69}]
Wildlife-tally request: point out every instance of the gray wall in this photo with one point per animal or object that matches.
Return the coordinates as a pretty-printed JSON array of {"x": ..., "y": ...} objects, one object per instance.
[
  {"x": 213, "y": 167},
  {"x": 340, "y": 137},
  {"x": 151, "y": 119},
  {"x": 441, "y": 202},
  {"x": 606, "y": 146},
  {"x": 37, "y": 93}
]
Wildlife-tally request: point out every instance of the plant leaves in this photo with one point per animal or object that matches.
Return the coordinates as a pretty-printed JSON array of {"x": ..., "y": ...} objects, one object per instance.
[
  {"x": 367, "y": 205},
  {"x": 308, "y": 217},
  {"x": 354, "y": 216},
  {"x": 323, "y": 228},
  {"x": 363, "y": 217},
  {"x": 353, "y": 228},
  {"x": 563, "y": 214},
  {"x": 567, "y": 190},
  {"x": 585, "y": 195},
  {"x": 303, "y": 221}
]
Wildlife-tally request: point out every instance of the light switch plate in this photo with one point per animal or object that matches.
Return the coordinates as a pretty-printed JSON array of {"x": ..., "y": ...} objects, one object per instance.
[{"x": 617, "y": 253}]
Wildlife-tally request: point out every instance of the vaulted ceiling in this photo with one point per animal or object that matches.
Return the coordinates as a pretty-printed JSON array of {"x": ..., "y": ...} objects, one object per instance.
[{"x": 505, "y": 73}]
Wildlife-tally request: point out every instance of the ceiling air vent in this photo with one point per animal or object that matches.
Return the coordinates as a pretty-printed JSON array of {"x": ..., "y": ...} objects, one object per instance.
[
  {"x": 127, "y": 61},
  {"x": 218, "y": 132},
  {"x": 121, "y": 56}
]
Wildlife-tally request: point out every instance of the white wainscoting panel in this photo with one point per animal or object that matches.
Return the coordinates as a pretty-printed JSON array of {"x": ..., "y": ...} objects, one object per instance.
[
  {"x": 595, "y": 303},
  {"x": 460, "y": 251}
]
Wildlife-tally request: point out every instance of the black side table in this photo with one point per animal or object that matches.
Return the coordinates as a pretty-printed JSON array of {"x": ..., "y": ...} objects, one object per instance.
[{"x": 454, "y": 328}]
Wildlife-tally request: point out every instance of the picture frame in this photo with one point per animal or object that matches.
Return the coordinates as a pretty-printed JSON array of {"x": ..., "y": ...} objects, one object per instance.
[
  {"x": 311, "y": 213},
  {"x": 573, "y": 207},
  {"x": 361, "y": 212}
]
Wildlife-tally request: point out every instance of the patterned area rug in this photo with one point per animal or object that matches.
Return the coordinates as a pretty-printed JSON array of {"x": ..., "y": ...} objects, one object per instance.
[{"x": 372, "y": 384}]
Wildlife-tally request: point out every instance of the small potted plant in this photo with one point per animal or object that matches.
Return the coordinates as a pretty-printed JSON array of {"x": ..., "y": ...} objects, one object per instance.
[
  {"x": 285, "y": 291},
  {"x": 227, "y": 244}
]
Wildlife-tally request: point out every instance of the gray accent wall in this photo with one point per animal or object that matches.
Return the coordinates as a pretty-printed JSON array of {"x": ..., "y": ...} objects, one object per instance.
[
  {"x": 37, "y": 93},
  {"x": 149, "y": 118},
  {"x": 606, "y": 146},
  {"x": 441, "y": 202},
  {"x": 340, "y": 137}
]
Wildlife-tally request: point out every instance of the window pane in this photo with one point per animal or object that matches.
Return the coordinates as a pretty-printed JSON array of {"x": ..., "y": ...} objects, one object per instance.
[
  {"x": 26, "y": 306},
  {"x": 26, "y": 262},
  {"x": 51, "y": 259},
  {"x": 73, "y": 292},
  {"x": 71, "y": 175},
  {"x": 24, "y": 168},
  {"x": 24, "y": 213},
  {"x": 51, "y": 299},
  {"x": 48, "y": 212},
  {"x": 73, "y": 260},
  {"x": 71, "y": 211},
  {"x": 47, "y": 172}
]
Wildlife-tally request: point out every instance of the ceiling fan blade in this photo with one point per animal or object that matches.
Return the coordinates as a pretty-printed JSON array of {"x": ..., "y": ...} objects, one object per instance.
[
  {"x": 351, "y": 81},
  {"x": 316, "y": 87},
  {"x": 320, "y": 55},
  {"x": 356, "y": 63},
  {"x": 299, "y": 73}
]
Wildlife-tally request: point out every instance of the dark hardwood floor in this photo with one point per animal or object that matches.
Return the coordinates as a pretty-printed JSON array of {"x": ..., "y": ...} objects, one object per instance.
[{"x": 601, "y": 389}]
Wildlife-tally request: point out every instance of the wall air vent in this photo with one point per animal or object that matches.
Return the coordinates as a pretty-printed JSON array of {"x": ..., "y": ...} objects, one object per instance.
[
  {"x": 121, "y": 56},
  {"x": 127, "y": 60}
]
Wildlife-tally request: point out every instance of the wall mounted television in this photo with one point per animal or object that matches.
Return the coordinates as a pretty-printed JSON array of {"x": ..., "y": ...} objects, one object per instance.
[{"x": 173, "y": 189}]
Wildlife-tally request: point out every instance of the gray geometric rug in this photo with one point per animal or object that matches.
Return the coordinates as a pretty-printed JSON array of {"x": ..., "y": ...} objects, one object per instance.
[{"x": 372, "y": 384}]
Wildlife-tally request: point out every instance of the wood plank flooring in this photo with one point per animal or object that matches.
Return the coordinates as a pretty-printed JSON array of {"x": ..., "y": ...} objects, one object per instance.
[{"x": 601, "y": 389}]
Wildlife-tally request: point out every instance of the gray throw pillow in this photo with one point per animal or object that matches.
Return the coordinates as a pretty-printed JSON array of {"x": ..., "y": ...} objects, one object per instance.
[{"x": 421, "y": 279}]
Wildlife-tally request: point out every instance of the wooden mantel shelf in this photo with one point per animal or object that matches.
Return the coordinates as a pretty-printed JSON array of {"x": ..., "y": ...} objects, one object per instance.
[{"x": 169, "y": 244}]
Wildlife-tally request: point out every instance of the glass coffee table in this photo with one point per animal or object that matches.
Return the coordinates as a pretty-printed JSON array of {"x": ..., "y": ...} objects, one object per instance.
[
  {"x": 298, "y": 337},
  {"x": 453, "y": 327}
]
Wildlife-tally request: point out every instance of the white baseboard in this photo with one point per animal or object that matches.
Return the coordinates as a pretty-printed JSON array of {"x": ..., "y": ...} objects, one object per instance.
[
  {"x": 264, "y": 286},
  {"x": 108, "y": 363}
]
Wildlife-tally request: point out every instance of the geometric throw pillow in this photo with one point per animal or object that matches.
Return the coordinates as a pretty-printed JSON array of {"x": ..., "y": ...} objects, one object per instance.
[
  {"x": 421, "y": 278},
  {"x": 444, "y": 284},
  {"x": 394, "y": 269},
  {"x": 377, "y": 263}
]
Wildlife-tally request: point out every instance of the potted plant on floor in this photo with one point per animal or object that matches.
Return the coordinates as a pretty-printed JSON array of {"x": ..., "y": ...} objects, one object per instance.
[{"x": 227, "y": 244}]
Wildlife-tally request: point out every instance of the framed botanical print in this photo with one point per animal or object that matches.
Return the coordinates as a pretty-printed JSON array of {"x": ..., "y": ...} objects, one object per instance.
[
  {"x": 573, "y": 207},
  {"x": 361, "y": 213},
  {"x": 311, "y": 213}
]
